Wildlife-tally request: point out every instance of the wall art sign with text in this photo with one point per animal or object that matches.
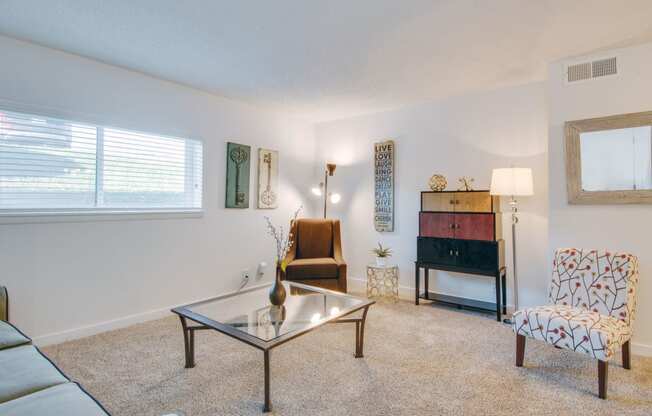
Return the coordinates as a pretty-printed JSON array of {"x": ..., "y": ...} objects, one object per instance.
[
  {"x": 238, "y": 161},
  {"x": 267, "y": 178},
  {"x": 384, "y": 186}
]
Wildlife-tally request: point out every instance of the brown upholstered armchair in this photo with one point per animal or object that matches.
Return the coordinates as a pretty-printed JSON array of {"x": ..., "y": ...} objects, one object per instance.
[{"x": 316, "y": 255}]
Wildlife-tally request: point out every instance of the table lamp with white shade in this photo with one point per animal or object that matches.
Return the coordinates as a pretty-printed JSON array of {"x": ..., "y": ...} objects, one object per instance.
[{"x": 512, "y": 182}]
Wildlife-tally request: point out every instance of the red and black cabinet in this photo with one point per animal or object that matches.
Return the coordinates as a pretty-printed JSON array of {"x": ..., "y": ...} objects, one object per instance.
[{"x": 461, "y": 232}]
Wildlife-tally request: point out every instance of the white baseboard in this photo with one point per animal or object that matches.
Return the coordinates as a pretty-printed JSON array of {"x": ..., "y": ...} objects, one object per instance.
[
  {"x": 641, "y": 349},
  {"x": 88, "y": 330},
  {"x": 407, "y": 293}
]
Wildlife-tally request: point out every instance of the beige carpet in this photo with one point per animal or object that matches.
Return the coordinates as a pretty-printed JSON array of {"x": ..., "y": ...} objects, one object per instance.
[{"x": 418, "y": 360}]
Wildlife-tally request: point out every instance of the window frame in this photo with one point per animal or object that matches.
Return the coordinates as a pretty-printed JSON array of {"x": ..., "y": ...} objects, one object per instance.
[{"x": 98, "y": 213}]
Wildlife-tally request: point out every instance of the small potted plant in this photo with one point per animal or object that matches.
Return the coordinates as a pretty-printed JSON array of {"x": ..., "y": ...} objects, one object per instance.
[{"x": 382, "y": 253}]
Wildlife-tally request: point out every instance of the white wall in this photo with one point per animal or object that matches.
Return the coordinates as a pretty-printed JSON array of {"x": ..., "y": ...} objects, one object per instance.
[
  {"x": 467, "y": 135},
  {"x": 74, "y": 278},
  {"x": 617, "y": 227},
  {"x": 65, "y": 279}
]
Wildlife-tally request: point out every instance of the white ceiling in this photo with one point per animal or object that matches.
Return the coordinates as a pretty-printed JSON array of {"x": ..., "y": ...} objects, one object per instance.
[{"x": 331, "y": 58}]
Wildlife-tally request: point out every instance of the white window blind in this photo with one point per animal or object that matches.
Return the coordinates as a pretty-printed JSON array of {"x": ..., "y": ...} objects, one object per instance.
[{"x": 48, "y": 164}]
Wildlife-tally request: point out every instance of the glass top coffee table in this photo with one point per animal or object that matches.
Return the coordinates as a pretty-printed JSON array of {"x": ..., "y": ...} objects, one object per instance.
[{"x": 249, "y": 317}]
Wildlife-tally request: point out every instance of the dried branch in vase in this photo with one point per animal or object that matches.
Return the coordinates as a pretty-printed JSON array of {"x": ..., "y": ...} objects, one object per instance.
[{"x": 283, "y": 241}]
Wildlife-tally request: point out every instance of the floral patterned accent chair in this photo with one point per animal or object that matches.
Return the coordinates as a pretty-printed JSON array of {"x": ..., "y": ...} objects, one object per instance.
[{"x": 592, "y": 308}]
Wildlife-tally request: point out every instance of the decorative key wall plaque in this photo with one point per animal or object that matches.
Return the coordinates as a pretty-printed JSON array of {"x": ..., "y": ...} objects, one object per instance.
[
  {"x": 238, "y": 161},
  {"x": 267, "y": 178},
  {"x": 384, "y": 186}
]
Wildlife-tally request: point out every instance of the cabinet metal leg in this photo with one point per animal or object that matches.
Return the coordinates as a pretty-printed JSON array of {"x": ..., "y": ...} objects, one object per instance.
[
  {"x": 416, "y": 284},
  {"x": 268, "y": 403},
  {"x": 498, "y": 298},
  {"x": 504, "y": 289},
  {"x": 426, "y": 276}
]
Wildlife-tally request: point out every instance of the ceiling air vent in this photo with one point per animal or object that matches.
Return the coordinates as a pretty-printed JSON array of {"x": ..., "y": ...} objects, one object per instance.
[
  {"x": 579, "y": 72},
  {"x": 584, "y": 71},
  {"x": 604, "y": 67}
]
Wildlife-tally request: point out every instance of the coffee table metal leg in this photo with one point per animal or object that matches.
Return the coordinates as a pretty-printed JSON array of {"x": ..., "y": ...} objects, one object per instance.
[
  {"x": 268, "y": 403},
  {"x": 188, "y": 343},
  {"x": 359, "y": 334},
  {"x": 191, "y": 339},
  {"x": 357, "y": 339}
]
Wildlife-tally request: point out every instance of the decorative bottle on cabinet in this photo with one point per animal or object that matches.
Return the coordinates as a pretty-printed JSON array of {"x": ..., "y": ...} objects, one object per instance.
[{"x": 461, "y": 231}]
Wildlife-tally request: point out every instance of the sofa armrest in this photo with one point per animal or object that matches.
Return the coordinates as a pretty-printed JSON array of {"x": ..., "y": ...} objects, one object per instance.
[
  {"x": 4, "y": 304},
  {"x": 339, "y": 258},
  {"x": 292, "y": 252},
  {"x": 337, "y": 244}
]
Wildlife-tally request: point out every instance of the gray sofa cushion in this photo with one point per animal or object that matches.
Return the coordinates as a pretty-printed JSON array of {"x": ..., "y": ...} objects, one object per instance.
[
  {"x": 65, "y": 399},
  {"x": 10, "y": 336},
  {"x": 24, "y": 371}
]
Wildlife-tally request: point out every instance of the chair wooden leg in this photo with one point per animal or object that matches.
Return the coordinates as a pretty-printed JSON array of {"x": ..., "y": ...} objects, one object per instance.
[
  {"x": 603, "y": 372},
  {"x": 341, "y": 284},
  {"x": 627, "y": 358},
  {"x": 520, "y": 350}
]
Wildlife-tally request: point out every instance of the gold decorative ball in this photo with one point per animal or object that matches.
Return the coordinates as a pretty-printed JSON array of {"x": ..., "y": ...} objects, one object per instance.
[{"x": 438, "y": 182}]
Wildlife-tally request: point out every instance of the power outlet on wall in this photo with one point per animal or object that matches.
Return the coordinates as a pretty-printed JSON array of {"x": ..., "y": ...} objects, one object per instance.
[
  {"x": 262, "y": 268},
  {"x": 245, "y": 277}
]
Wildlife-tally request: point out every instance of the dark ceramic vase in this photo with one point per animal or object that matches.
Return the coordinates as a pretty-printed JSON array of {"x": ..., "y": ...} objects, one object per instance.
[{"x": 277, "y": 292}]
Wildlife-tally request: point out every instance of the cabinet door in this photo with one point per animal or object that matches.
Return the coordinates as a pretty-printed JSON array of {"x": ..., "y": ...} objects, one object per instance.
[
  {"x": 473, "y": 202},
  {"x": 436, "y": 224},
  {"x": 477, "y": 255},
  {"x": 436, "y": 250},
  {"x": 438, "y": 201},
  {"x": 476, "y": 226}
]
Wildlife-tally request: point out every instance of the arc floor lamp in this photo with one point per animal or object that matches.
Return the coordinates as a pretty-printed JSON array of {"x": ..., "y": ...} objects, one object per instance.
[{"x": 512, "y": 182}]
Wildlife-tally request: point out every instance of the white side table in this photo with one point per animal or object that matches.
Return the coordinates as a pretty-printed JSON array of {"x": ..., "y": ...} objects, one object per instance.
[{"x": 382, "y": 282}]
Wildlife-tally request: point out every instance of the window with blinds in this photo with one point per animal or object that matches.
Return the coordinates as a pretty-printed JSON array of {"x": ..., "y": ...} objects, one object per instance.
[{"x": 52, "y": 165}]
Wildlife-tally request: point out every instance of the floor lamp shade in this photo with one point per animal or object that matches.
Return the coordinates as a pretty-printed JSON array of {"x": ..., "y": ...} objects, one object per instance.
[{"x": 512, "y": 182}]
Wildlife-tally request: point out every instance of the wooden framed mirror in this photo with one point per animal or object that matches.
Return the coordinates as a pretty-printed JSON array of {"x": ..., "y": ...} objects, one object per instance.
[{"x": 609, "y": 159}]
